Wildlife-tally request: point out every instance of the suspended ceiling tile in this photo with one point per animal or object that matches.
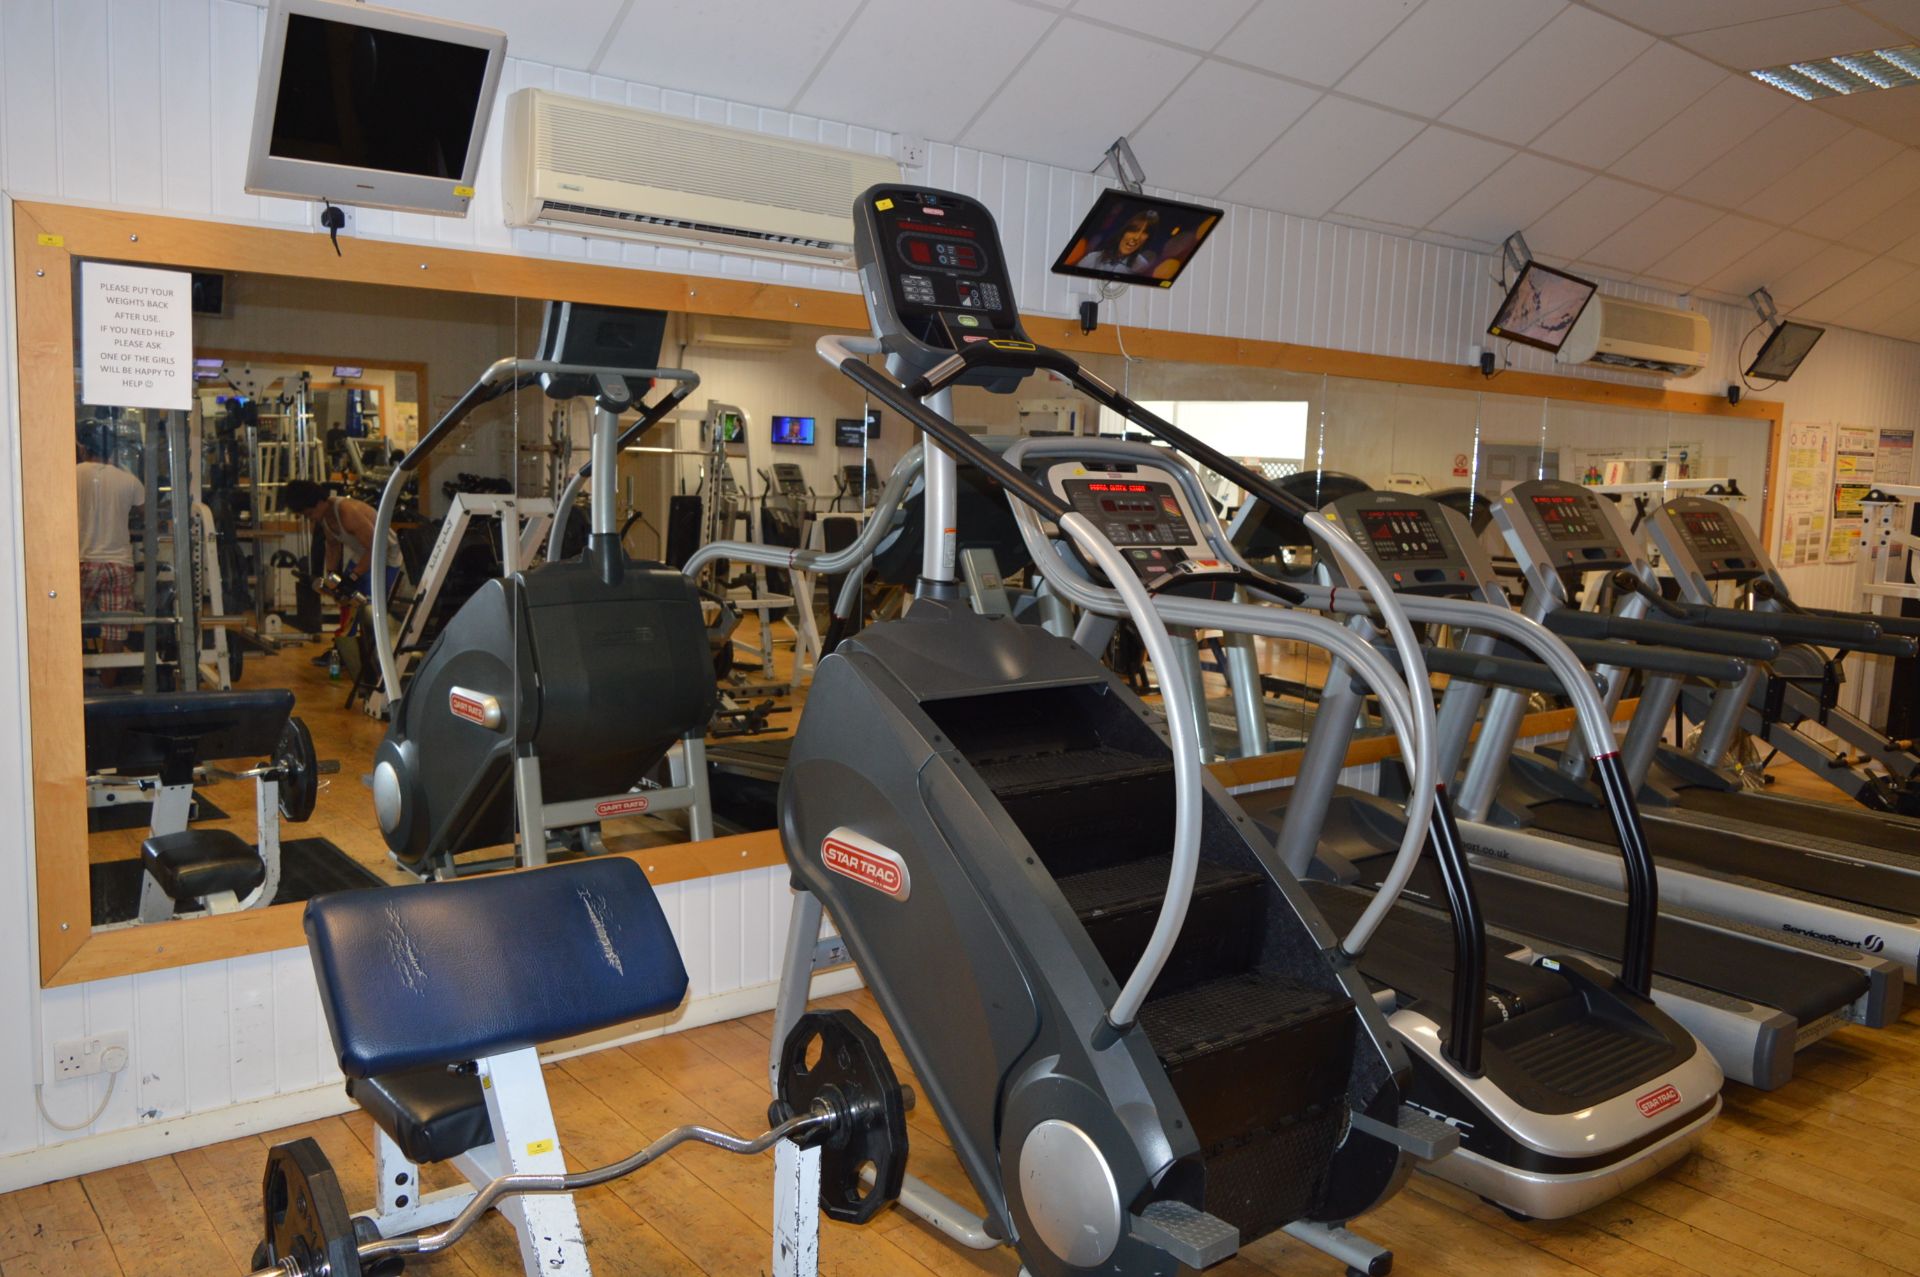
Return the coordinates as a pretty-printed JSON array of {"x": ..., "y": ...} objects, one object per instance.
[
  {"x": 1854, "y": 206},
  {"x": 1898, "y": 296},
  {"x": 1427, "y": 175},
  {"x": 1649, "y": 237},
  {"x": 1726, "y": 115},
  {"x": 1713, "y": 250},
  {"x": 1313, "y": 40},
  {"x": 1748, "y": 168},
  {"x": 1677, "y": 17},
  {"x": 1888, "y": 230},
  {"x": 1197, "y": 24},
  {"x": 1894, "y": 114},
  {"x": 1328, "y": 152},
  {"x": 862, "y": 79},
  {"x": 730, "y": 50},
  {"x": 1588, "y": 216},
  {"x": 1901, "y": 14},
  {"x": 1771, "y": 261},
  {"x": 1517, "y": 195},
  {"x": 1186, "y": 147},
  {"x": 1082, "y": 87},
  {"x": 1841, "y": 303},
  {"x": 1836, "y": 166},
  {"x": 564, "y": 33},
  {"x": 1815, "y": 275},
  {"x": 1443, "y": 50},
  {"x": 1791, "y": 38},
  {"x": 1654, "y": 90},
  {"x": 1568, "y": 59},
  {"x": 1908, "y": 250}
]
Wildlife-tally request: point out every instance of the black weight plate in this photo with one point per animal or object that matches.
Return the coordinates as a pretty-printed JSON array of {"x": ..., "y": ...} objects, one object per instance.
[
  {"x": 299, "y": 771},
  {"x": 851, "y": 1072},
  {"x": 305, "y": 1213}
]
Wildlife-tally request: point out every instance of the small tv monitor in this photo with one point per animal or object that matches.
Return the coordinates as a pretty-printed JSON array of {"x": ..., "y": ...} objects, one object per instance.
[
  {"x": 849, "y": 432},
  {"x": 1137, "y": 239},
  {"x": 364, "y": 105},
  {"x": 1785, "y": 347},
  {"x": 793, "y": 430},
  {"x": 208, "y": 291},
  {"x": 732, "y": 428},
  {"x": 347, "y": 372},
  {"x": 1541, "y": 307}
]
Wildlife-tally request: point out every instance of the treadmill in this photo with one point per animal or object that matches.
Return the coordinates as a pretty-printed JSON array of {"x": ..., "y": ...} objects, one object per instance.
[
  {"x": 1753, "y": 998},
  {"x": 1854, "y": 900},
  {"x": 1702, "y": 543}
]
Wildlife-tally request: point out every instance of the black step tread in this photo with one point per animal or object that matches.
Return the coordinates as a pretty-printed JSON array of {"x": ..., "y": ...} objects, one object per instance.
[
  {"x": 1036, "y": 773},
  {"x": 1585, "y": 1057},
  {"x": 1139, "y": 883},
  {"x": 1232, "y": 1009}
]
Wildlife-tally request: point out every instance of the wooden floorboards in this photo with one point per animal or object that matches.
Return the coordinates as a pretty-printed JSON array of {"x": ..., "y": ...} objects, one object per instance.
[{"x": 1819, "y": 1178}]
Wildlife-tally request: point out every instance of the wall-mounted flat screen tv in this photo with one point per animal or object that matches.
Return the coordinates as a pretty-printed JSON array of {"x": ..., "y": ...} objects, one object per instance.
[{"x": 1541, "y": 306}]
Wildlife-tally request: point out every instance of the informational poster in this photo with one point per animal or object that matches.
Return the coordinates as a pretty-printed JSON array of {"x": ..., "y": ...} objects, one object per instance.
[
  {"x": 1895, "y": 461},
  {"x": 136, "y": 336},
  {"x": 1804, "y": 496},
  {"x": 1853, "y": 470}
]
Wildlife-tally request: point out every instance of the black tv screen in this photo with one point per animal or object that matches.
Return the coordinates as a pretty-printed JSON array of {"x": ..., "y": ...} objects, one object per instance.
[
  {"x": 1136, "y": 239},
  {"x": 1541, "y": 307},
  {"x": 849, "y": 432},
  {"x": 365, "y": 98},
  {"x": 1785, "y": 347},
  {"x": 793, "y": 430}
]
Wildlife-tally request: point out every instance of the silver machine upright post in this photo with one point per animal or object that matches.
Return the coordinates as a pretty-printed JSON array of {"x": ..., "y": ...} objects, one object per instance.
[
  {"x": 940, "y": 537},
  {"x": 605, "y": 476}
]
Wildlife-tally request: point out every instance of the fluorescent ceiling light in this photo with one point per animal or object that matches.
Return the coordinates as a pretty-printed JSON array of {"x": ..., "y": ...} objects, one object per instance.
[{"x": 1845, "y": 73}]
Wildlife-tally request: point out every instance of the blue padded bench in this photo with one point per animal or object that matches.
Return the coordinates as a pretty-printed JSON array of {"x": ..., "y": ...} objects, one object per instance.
[{"x": 419, "y": 979}]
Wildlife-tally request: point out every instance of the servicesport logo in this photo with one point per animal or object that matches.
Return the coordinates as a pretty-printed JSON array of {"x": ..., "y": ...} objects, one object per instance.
[
  {"x": 1866, "y": 943},
  {"x": 866, "y": 862},
  {"x": 1654, "y": 1102}
]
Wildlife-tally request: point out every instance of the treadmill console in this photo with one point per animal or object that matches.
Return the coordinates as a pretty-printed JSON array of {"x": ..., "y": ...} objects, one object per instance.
[
  {"x": 788, "y": 479},
  {"x": 1414, "y": 540},
  {"x": 1143, "y": 510},
  {"x": 935, "y": 279},
  {"x": 1712, "y": 535},
  {"x": 1566, "y": 526}
]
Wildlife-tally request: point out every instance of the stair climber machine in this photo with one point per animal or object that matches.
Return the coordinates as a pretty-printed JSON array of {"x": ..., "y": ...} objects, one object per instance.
[
  {"x": 1845, "y": 896},
  {"x": 552, "y": 699},
  {"x": 1567, "y": 1084},
  {"x": 1702, "y": 543},
  {"x": 1146, "y": 1046},
  {"x": 1752, "y": 997}
]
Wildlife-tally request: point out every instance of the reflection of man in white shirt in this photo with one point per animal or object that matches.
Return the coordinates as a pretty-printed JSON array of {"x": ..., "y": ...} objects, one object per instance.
[{"x": 108, "y": 495}]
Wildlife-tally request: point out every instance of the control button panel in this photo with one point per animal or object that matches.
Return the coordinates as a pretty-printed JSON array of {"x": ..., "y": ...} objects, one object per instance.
[{"x": 1144, "y": 513}]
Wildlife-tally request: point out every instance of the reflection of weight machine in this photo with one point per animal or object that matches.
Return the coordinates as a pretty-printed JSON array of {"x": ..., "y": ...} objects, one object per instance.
[{"x": 1885, "y": 570}]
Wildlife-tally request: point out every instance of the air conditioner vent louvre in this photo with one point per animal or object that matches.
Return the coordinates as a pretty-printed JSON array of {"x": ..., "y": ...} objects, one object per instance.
[{"x": 557, "y": 210}]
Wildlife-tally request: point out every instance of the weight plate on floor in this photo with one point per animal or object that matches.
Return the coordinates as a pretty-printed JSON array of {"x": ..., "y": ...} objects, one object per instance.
[
  {"x": 306, "y": 1214},
  {"x": 299, "y": 770},
  {"x": 832, "y": 1056}
]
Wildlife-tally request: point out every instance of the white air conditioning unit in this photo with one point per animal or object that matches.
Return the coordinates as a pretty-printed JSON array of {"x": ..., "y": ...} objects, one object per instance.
[
  {"x": 732, "y": 333},
  {"x": 593, "y": 168},
  {"x": 1613, "y": 332}
]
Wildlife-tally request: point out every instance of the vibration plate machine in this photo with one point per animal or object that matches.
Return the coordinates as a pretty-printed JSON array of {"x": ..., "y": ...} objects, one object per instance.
[{"x": 1126, "y": 1014}]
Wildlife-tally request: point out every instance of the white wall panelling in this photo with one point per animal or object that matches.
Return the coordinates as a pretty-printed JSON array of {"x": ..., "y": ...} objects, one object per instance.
[{"x": 146, "y": 105}]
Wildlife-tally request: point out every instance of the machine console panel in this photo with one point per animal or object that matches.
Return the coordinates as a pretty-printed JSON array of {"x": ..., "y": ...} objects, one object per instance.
[
  {"x": 935, "y": 277},
  {"x": 1568, "y": 524},
  {"x": 1715, "y": 537},
  {"x": 788, "y": 479},
  {"x": 1145, "y": 513},
  {"x": 1412, "y": 540}
]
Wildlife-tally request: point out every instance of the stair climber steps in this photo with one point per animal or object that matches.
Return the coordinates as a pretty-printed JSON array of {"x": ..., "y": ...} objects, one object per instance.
[
  {"x": 1119, "y": 904},
  {"x": 1260, "y": 1064}
]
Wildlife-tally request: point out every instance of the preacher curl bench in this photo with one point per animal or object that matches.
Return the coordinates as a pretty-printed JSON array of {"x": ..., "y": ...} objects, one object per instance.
[{"x": 436, "y": 1027}]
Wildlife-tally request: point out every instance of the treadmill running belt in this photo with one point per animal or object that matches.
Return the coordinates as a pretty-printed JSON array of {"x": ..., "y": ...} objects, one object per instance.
[
  {"x": 1710, "y": 849},
  {"x": 1824, "y": 820},
  {"x": 1683, "y": 950}
]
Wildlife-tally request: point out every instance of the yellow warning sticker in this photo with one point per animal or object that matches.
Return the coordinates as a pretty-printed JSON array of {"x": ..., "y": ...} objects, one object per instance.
[
  {"x": 464, "y": 192},
  {"x": 538, "y": 1147},
  {"x": 883, "y": 205},
  {"x": 51, "y": 241},
  {"x": 1002, "y": 343}
]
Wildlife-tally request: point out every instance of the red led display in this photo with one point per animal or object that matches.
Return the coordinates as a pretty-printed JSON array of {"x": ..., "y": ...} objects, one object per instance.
[{"x": 1117, "y": 487}]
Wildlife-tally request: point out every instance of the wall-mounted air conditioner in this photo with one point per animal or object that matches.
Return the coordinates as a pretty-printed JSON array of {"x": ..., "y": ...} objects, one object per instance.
[
  {"x": 1613, "y": 332},
  {"x": 594, "y": 168}
]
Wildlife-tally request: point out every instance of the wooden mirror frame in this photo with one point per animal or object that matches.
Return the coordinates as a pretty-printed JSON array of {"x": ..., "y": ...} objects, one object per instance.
[{"x": 48, "y": 237}]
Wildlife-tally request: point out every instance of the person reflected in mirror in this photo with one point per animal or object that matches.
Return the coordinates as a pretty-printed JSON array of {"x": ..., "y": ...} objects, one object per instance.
[
  {"x": 108, "y": 496},
  {"x": 347, "y": 524}
]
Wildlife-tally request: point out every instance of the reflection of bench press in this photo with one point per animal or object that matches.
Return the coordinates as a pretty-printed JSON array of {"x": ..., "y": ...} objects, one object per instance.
[
  {"x": 437, "y": 1036},
  {"x": 158, "y": 747}
]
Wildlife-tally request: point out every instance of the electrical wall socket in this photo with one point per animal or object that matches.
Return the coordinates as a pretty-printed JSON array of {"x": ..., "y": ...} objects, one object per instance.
[
  {"x": 909, "y": 150},
  {"x": 84, "y": 1057}
]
